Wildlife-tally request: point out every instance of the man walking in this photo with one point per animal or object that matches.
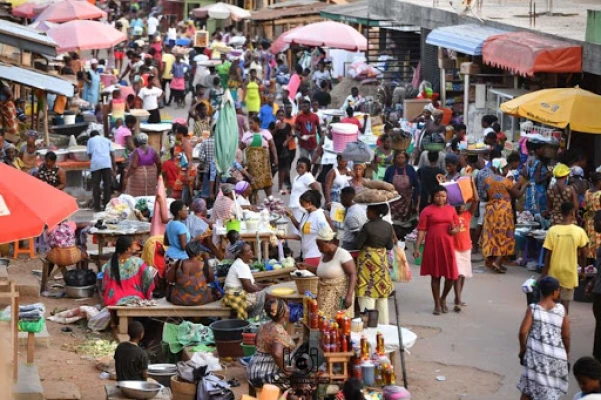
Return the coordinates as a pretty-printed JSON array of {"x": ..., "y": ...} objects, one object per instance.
[
  {"x": 102, "y": 167},
  {"x": 307, "y": 126},
  {"x": 564, "y": 244}
]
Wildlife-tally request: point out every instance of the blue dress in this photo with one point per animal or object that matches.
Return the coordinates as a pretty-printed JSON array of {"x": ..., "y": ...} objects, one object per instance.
[
  {"x": 91, "y": 91},
  {"x": 536, "y": 193}
]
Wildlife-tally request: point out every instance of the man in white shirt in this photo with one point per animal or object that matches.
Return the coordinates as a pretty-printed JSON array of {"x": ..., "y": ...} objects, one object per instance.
[
  {"x": 152, "y": 23},
  {"x": 150, "y": 96},
  {"x": 321, "y": 75},
  {"x": 353, "y": 101},
  {"x": 102, "y": 167}
]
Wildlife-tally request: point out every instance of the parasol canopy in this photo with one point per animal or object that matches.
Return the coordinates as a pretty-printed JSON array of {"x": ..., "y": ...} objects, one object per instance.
[
  {"x": 280, "y": 45},
  {"x": 85, "y": 35},
  {"x": 560, "y": 108},
  {"x": 28, "y": 204},
  {"x": 43, "y": 26},
  {"x": 69, "y": 10},
  {"x": 328, "y": 34},
  {"x": 221, "y": 11},
  {"x": 29, "y": 9}
]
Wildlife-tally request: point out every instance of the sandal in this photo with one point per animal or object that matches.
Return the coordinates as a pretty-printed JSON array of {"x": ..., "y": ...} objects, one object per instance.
[
  {"x": 457, "y": 308},
  {"x": 444, "y": 308},
  {"x": 503, "y": 268},
  {"x": 436, "y": 311},
  {"x": 497, "y": 269}
]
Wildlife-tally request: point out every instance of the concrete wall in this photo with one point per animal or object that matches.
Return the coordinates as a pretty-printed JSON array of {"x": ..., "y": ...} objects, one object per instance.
[{"x": 431, "y": 18}]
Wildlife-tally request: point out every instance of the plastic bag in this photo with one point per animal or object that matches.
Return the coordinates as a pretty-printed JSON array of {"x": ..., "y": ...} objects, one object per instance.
[
  {"x": 100, "y": 321},
  {"x": 80, "y": 277},
  {"x": 357, "y": 152},
  {"x": 400, "y": 267}
]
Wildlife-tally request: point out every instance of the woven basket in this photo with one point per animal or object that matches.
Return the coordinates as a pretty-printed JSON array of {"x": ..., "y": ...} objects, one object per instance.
[
  {"x": 306, "y": 284},
  {"x": 400, "y": 142},
  {"x": 64, "y": 256}
]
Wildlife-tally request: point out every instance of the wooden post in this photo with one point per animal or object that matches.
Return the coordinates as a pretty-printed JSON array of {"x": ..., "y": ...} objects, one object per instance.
[
  {"x": 45, "y": 118},
  {"x": 30, "y": 347}
]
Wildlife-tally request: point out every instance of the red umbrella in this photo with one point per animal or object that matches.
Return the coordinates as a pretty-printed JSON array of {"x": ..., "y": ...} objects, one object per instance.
[
  {"x": 85, "y": 35},
  {"x": 69, "y": 10},
  {"x": 328, "y": 34},
  {"x": 280, "y": 45},
  {"x": 28, "y": 204}
]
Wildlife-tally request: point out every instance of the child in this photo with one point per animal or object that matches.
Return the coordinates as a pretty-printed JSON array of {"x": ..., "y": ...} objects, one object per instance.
[
  {"x": 587, "y": 372},
  {"x": 123, "y": 136},
  {"x": 232, "y": 249},
  {"x": 463, "y": 247},
  {"x": 170, "y": 172},
  {"x": 118, "y": 124},
  {"x": 131, "y": 361}
]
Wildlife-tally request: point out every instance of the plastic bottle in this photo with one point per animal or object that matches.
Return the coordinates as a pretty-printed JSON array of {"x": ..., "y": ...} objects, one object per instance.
[
  {"x": 307, "y": 308},
  {"x": 344, "y": 347},
  {"x": 364, "y": 348},
  {"x": 347, "y": 325},
  {"x": 379, "y": 375},
  {"x": 326, "y": 342},
  {"x": 380, "y": 344},
  {"x": 321, "y": 321},
  {"x": 334, "y": 341},
  {"x": 313, "y": 305},
  {"x": 356, "y": 370},
  {"x": 314, "y": 320},
  {"x": 340, "y": 318},
  {"x": 388, "y": 374}
]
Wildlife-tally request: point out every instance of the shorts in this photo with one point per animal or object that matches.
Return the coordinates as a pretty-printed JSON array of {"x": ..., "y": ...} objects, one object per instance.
[
  {"x": 119, "y": 55},
  {"x": 482, "y": 209},
  {"x": 566, "y": 294}
]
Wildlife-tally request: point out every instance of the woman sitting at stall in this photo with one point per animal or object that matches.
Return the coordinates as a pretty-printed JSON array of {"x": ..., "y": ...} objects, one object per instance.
[
  {"x": 224, "y": 207},
  {"x": 267, "y": 365},
  {"x": 126, "y": 277},
  {"x": 199, "y": 229},
  {"x": 242, "y": 294},
  {"x": 374, "y": 284},
  {"x": 144, "y": 169},
  {"x": 560, "y": 193},
  {"x": 177, "y": 234},
  {"x": 52, "y": 174},
  {"x": 337, "y": 275},
  {"x": 188, "y": 278},
  {"x": 243, "y": 192},
  {"x": 312, "y": 221},
  {"x": 63, "y": 248}
]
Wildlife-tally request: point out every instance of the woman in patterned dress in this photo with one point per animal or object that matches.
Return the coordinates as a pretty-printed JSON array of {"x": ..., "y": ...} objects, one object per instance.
[
  {"x": 258, "y": 144},
  {"x": 189, "y": 278},
  {"x": 50, "y": 173},
  {"x": 126, "y": 277},
  {"x": 267, "y": 365},
  {"x": 545, "y": 346},
  {"x": 592, "y": 201},
  {"x": 560, "y": 193},
  {"x": 498, "y": 238}
]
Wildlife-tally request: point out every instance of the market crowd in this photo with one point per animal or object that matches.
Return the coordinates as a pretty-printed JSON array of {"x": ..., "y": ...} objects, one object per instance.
[{"x": 283, "y": 116}]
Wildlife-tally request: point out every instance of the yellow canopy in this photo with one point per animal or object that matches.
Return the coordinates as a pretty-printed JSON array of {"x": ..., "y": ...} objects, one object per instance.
[{"x": 559, "y": 108}]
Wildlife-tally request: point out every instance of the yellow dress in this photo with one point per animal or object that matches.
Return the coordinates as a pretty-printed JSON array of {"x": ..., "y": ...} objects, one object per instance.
[{"x": 253, "y": 98}]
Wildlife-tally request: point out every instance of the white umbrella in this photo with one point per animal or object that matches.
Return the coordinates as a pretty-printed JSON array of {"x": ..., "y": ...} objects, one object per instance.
[{"x": 221, "y": 11}]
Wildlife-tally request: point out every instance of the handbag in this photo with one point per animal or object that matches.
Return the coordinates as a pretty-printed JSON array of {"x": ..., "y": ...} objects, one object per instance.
[{"x": 400, "y": 267}]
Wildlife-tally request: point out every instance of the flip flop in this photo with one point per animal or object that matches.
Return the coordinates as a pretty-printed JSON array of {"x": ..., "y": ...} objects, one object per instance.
[
  {"x": 497, "y": 269},
  {"x": 457, "y": 308},
  {"x": 444, "y": 309},
  {"x": 436, "y": 311}
]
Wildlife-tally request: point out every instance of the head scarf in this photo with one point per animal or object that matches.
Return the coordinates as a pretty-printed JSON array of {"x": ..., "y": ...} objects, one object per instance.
[
  {"x": 241, "y": 187},
  {"x": 227, "y": 188},
  {"x": 326, "y": 233},
  {"x": 180, "y": 121},
  {"x": 199, "y": 205},
  {"x": 429, "y": 107},
  {"x": 9, "y": 146},
  {"x": 393, "y": 117},
  {"x": 142, "y": 138},
  {"x": 499, "y": 163},
  {"x": 31, "y": 133},
  {"x": 451, "y": 159},
  {"x": 561, "y": 170},
  {"x": 437, "y": 113},
  {"x": 396, "y": 393}
]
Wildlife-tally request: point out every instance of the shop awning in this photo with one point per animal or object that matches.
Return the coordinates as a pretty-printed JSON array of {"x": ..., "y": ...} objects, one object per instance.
[
  {"x": 36, "y": 79},
  {"x": 27, "y": 39},
  {"x": 527, "y": 53},
  {"x": 354, "y": 13},
  {"x": 466, "y": 39}
]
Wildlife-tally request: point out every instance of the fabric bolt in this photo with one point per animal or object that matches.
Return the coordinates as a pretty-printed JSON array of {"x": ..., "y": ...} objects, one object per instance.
[
  {"x": 545, "y": 374},
  {"x": 438, "y": 258},
  {"x": 137, "y": 282},
  {"x": 498, "y": 236}
]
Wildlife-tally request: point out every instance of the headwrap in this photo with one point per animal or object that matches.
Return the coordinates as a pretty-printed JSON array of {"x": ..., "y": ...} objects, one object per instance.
[
  {"x": 326, "y": 233},
  {"x": 194, "y": 248},
  {"x": 180, "y": 121},
  {"x": 241, "y": 187},
  {"x": 9, "y": 146},
  {"x": 393, "y": 117},
  {"x": 31, "y": 133},
  {"x": 199, "y": 205},
  {"x": 142, "y": 138},
  {"x": 142, "y": 205},
  {"x": 93, "y": 61},
  {"x": 499, "y": 163},
  {"x": 227, "y": 188},
  {"x": 236, "y": 248},
  {"x": 437, "y": 113},
  {"x": 429, "y": 107},
  {"x": 451, "y": 158},
  {"x": 396, "y": 393},
  {"x": 561, "y": 170}
]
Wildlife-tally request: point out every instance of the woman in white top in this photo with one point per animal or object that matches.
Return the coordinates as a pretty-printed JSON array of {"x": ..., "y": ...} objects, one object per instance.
[
  {"x": 302, "y": 182},
  {"x": 337, "y": 179},
  {"x": 241, "y": 292},
  {"x": 243, "y": 191},
  {"x": 313, "y": 220},
  {"x": 337, "y": 276}
]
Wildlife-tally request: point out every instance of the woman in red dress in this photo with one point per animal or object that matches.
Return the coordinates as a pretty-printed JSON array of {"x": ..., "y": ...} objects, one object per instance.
[{"x": 441, "y": 222}]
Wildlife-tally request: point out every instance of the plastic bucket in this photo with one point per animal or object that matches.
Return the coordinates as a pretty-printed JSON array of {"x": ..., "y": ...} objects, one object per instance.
[
  {"x": 343, "y": 134},
  {"x": 232, "y": 225},
  {"x": 228, "y": 329},
  {"x": 69, "y": 119}
]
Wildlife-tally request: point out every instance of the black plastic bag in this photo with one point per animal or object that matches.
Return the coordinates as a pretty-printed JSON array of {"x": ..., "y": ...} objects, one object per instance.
[{"x": 80, "y": 277}]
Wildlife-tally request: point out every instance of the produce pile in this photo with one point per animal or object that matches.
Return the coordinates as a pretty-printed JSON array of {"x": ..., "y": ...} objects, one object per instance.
[
  {"x": 376, "y": 192},
  {"x": 97, "y": 348},
  {"x": 275, "y": 205}
]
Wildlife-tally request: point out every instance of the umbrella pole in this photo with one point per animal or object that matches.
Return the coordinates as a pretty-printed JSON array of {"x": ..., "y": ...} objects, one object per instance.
[
  {"x": 45, "y": 117},
  {"x": 569, "y": 137},
  {"x": 401, "y": 344}
]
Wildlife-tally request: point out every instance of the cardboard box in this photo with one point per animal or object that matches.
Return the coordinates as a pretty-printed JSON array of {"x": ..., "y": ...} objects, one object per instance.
[
  {"x": 446, "y": 63},
  {"x": 469, "y": 68},
  {"x": 414, "y": 107}
]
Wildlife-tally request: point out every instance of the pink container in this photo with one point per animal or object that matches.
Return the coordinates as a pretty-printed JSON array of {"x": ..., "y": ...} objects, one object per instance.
[{"x": 343, "y": 134}]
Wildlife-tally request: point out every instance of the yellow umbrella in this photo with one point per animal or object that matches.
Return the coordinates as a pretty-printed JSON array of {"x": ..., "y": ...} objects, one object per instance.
[{"x": 575, "y": 108}]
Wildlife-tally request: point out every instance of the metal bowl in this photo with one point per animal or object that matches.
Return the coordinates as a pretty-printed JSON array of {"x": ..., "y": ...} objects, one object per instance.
[
  {"x": 79, "y": 155},
  {"x": 139, "y": 389},
  {"x": 80, "y": 292},
  {"x": 162, "y": 373}
]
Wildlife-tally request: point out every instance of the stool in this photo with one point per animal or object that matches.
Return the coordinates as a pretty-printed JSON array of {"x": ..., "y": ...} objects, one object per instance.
[
  {"x": 17, "y": 251},
  {"x": 342, "y": 359},
  {"x": 46, "y": 271}
]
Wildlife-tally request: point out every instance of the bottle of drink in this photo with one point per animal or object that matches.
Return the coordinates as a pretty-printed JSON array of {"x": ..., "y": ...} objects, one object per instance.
[
  {"x": 364, "y": 348},
  {"x": 334, "y": 341},
  {"x": 340, "y": 318},
  {"x": 344, "y": 347},
  {"x": 388, "y": 374},
  {"x": 380, "y": 344},
  {"x": 321, "y": 320},
  {"x": 326, "y": 342},
  {"x": 307, "y": 308},
  {"x": 379, "y": 375},
  {"x": 347, "y": 325},
  {"x": 356, "y": 370},
  {"x": 314, "y": 305},
  {"x": 314, "y": 320},
  {"x": 392, "y": 376}
]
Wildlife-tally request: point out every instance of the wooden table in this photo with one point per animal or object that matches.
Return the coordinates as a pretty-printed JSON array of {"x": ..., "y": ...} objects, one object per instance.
[
  {"x": 263, "y": 276},
  {"x": 107, "y": 235},
  {"x": 251, "y": 238}
]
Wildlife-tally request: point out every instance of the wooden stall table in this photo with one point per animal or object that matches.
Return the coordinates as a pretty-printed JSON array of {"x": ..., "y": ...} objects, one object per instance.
[
  {"x": 269, "y": 276},
  {"x": 156, "y": 133},
  {"x": 108, "y": 235},
  {"x": 263, "y": 238},
  {"x": 73, "y": 170}
]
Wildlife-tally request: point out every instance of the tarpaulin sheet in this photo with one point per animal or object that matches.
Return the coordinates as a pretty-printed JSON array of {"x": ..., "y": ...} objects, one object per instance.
[{"x": 527, "y": 53}]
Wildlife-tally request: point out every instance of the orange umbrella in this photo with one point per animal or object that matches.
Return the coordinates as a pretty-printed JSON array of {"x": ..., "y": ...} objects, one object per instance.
[
  {"x": 69, "y": 10},
  {"x": 27, "y": 205}
]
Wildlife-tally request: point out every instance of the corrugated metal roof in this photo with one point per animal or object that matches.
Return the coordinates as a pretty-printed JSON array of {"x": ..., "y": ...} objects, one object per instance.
[
  {"x": 36, "y": 79},
  {"x": 267, "y": 14},
  {"x": 466, "y": 39},
  {"x": 26, "y": 38},
  {"x": 292, "y": 3}
]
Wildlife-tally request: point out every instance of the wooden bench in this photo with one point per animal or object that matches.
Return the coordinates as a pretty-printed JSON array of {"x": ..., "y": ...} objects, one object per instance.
[{"x": 164, "y": 309}]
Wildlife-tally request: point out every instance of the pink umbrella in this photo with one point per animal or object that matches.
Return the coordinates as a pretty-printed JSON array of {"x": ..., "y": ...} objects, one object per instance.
[
  {"x": 85, "y": 35},
  {"x": 43, "y": 26},
  {"x": 328, "y": 34},
  {"x": 69, "y": 10},
  {"x": 280, "y": 45},
  {"x": 27, "y": 10},
  {"x": 222, "y": 11}
]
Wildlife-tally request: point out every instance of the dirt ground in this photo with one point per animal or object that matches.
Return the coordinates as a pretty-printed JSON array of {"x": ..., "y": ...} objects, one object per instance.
[{"x": 60, "y": 363}]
